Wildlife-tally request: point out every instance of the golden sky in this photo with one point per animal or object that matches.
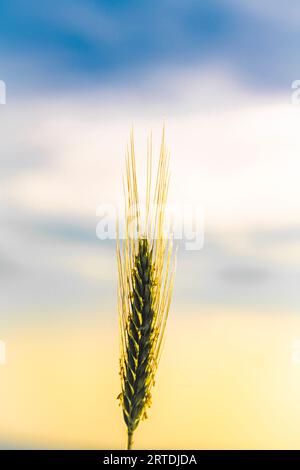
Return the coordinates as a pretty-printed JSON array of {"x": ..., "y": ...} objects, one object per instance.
[{"x": 225, "y": 381}]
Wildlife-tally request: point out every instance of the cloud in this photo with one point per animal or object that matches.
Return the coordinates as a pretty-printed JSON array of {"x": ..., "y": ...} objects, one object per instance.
[
  {"x": 244, "y": 273},
  {"x": 46, "y": 272},
  {"x": 279, "y": 235},
  {"x": 234, "y": 153},
  {"x": 231, "y": 272}
]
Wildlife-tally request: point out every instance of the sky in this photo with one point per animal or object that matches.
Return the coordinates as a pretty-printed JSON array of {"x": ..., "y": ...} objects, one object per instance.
[
  {"x": 70, "y": 44},
  {"x": 79, "y": 76}
]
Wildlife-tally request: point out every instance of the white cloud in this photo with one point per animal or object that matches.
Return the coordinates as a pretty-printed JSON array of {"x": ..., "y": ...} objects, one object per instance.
[{"x": 234, "y": 154}]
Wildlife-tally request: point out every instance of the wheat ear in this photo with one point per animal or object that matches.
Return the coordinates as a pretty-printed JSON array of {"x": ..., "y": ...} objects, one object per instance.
[{"x": 146, "y": 272}]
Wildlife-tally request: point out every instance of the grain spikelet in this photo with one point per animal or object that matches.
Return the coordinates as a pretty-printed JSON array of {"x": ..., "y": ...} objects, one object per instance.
[{"x": 146, "y": 272}]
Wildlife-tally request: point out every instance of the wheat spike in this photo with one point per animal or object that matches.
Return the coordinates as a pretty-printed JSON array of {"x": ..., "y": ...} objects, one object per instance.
[{"x": 146, "y": 271}]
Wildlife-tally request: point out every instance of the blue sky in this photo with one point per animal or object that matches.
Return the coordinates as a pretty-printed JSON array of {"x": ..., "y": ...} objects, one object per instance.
[
  {"x": 79, "y": 73},
  {"x": 70, "y": 43}
]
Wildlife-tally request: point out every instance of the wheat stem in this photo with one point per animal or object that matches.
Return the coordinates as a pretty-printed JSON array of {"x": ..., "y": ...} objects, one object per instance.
[{"x": 129, "y": 440}]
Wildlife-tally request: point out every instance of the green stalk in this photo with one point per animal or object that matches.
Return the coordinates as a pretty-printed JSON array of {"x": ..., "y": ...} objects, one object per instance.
[{"x": 129, "y": 440}]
